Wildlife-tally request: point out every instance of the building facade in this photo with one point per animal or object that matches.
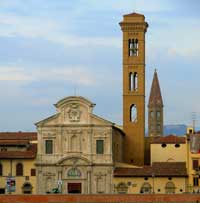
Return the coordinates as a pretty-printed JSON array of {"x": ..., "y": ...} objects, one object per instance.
[
  {"x": 77, "y": 150},
  {"x": 166, "y": 174},
  {"x": 193, "y": 155},
  {"x": 159, "y": 178},
  {"x": 17, "y": 162},
  {"x": 134, "y": 28}
]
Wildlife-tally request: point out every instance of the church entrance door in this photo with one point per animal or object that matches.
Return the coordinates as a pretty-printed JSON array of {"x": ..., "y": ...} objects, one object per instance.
[{"x": 74, "y": 188}]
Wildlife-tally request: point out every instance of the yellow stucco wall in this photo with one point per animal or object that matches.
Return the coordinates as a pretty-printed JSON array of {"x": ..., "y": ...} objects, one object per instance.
[
  {"x": 168, "y": 153},
  {"x": 9, "y": 167},
  {"x": 158, "y": 184}
]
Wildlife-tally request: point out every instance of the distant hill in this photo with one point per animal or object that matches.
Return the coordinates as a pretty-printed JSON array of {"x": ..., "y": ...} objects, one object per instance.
[{"x": 175, "y": 129}]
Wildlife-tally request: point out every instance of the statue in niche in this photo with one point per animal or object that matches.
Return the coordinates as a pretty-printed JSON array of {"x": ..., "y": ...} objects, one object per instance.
[{"x": 74, "y": 113}]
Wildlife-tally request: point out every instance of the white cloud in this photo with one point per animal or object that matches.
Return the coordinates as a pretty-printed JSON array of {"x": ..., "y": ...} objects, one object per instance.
[
  {"x": 71, "y": 74},
  {"x": 77, "y": 41},
  {"x": 74, "y": 75},
  {"x": 36, "y": 27},
  {"x": 14, "y": 74}
]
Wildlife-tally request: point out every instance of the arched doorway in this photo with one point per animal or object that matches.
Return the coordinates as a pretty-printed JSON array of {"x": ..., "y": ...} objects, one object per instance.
[
  {"x": 122, "y": 188},
  {"x": 27, "y": 188},
  {"x": 170, "y": 188},
  {"x": 146, "y": 188}
]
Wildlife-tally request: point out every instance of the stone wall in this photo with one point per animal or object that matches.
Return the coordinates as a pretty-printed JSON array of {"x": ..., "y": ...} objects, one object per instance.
[{"x": 189, "y": 198}]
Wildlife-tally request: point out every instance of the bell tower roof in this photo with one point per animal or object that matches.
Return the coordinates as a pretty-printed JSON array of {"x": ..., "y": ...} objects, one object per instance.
[
  {"x": 155, "y": 98},
  {"x": 134, "y": 15}
]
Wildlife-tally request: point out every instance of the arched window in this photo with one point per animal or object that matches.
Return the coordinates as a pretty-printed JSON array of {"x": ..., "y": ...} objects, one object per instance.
[
  {"x": 146, "y": 188},
  {"x": 130, "y": 81},
  {"x": 133, "y": 113},
  {"x": 74, "y": 172},
  {"x": 133, "y": 81},
  {"x": 19, "y": 169},
  {"x": 122, "y": 188},
  {"x": 158, "y": 115},
  {"x": 170, "y": 188},
  {"x": 1, "y": 170},
  {"x": 27, "y": 188}
]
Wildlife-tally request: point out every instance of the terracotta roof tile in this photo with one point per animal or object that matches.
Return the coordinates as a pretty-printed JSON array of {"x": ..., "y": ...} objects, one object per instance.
[
  {"x": 18, "y": 135},
  {"x": 170, "y": 139},
  {"x": 158, "y": 169},
  {"x": 134, "y": 14},
  {"x": 29, "y": 154},
  {"x": 133, "y": 172},
  {"x": 174, "y": 169},
  {"x": 14, "y": 142}
]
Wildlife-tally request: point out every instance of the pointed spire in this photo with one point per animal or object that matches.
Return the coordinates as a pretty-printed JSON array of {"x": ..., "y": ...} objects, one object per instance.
[{"x": 155, "y": 98}]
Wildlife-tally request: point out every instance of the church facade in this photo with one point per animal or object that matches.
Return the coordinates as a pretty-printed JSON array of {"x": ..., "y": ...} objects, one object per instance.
[{"x": 77, "y": 150}]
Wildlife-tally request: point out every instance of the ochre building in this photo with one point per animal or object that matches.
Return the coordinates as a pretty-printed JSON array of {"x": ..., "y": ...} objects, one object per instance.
[{"x": 18, "y": 151}]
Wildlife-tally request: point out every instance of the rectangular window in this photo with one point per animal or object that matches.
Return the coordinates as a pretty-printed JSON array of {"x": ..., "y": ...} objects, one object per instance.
[
  {"x": 195, "y": 164},
  {"x": 196, "y": 181},
  {"x": 99, "y": 146},
  {"x": 49, "y": 146},
  {"x": 33, "y": 172}
]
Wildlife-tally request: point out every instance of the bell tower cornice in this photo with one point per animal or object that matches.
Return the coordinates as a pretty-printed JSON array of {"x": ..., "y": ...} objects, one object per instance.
[{"x": 130, "y": 26}]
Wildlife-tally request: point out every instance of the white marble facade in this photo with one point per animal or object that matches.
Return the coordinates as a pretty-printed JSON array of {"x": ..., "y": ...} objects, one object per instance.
[{"x": 73, "y": 164}]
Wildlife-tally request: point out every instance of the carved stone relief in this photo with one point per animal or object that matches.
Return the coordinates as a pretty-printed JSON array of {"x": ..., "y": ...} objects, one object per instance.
[
  {"x": 74, "y": 113},
  {"x": 100, "y": 181}
]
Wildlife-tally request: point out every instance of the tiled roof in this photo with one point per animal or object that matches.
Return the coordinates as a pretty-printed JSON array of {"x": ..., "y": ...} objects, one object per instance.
[
  {"x": 133, "y": 172},
  {"x": 155, "y": 98},
  {"x": 134, "y": 14},
  {"x": 30, "y": 153},
  {"x": 18, "y": 135},
  {"x": 13, "y": 142},
  {"x": 169, "y": 168},
  {"x": 170, "y": 139},
  {"x": 158, "y": 169}
]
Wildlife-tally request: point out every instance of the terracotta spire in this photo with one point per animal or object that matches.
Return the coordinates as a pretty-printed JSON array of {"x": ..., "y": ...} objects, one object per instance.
[{"x": 155, "y": 98}]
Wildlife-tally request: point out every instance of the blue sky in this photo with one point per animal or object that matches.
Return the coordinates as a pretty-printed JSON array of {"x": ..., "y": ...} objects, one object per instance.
[{"x": 51, "y": 48}]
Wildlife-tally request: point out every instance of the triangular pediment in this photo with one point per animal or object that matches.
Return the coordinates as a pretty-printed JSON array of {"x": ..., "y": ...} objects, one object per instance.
[
  {"x": 99, "y": 121},
  {"x": 74, "y": 111},
  {"x": 52, "y": 120}
]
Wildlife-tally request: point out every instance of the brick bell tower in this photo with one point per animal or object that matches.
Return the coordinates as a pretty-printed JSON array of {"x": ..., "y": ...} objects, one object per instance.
[
  {"x": 134, "y": 28},
  {"x": 155, "y": 109}
]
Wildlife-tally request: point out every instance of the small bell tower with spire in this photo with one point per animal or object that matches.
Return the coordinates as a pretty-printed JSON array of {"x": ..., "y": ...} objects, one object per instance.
[{"x": 155, "y": 109}]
